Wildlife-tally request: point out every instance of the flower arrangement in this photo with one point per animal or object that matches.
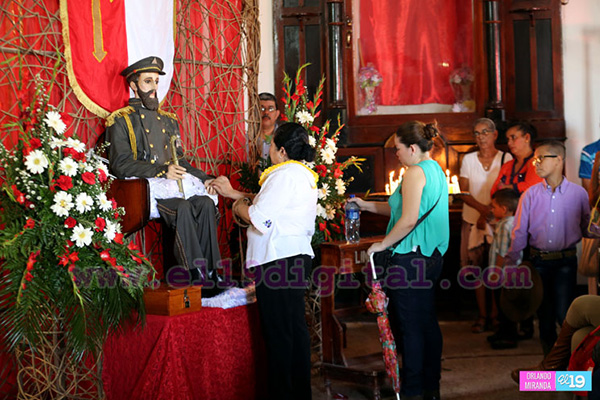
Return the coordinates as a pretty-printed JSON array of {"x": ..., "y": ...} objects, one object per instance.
[
  {"x": 462, "y": 76},
  {"x": 62, "y": 256},
  {"x": 331, "y": 185},
  {"x": 368, "y": 76}
]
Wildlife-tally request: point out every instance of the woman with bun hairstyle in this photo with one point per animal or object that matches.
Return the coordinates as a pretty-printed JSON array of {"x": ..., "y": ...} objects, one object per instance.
[
  {"x": 281, "y": 220},
  {"x": 417, "y": 236}
]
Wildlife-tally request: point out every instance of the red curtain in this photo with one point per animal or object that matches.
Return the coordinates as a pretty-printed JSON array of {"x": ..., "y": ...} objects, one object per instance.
[{"x": 415, "y": 44}]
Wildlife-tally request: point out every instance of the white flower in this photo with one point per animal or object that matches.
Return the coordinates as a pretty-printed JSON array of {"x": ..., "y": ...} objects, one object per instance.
[
  {"x": 76, "y": 145},
  {"x": 331, "y": 144},
  {"x": 310, "y": 165},
  {"x": 340, "y": 186},
  {"x": 324, "y": 191},
  {"x": 328, "y": 155},
  {"x": 103, "y": 202},
  {"x": 321, "y": 212},
  {"x": 312, "y": 141},
  {"x": 304, "y": 117},
  {"x": 54, "y": 121},
  {"x": 36, "y": 162},
  {"x": 82, "y": 236},
  {"x": 330, "y": 212},
  {"x": 100, "y": 166},
  {"x": 63, "y": 202},
  {"x": 56, "y": 142},
  {"x": 111, "y": 229},
  {"x": 83, "y": 202},
  {"x": 68, "y": 166}
]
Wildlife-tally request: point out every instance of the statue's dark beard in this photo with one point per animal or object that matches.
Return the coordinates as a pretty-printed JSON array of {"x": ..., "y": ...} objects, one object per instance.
[{"x": 151, "y": 103}]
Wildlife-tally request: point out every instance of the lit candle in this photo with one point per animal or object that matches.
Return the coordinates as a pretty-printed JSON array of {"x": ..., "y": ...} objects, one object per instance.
[
  {"x": 454, "y": 186},
  {"x": 387, "y": 189},
  {"x": 448, "y": 177}
]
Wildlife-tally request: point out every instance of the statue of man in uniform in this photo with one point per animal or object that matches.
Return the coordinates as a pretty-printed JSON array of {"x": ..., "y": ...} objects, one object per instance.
[{"x": 140, "y": 137}]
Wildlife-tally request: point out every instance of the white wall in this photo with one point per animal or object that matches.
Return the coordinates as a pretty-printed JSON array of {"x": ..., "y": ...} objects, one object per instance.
[
  {"x": 266, "y": 73},
  {"x": 581, "y": 63}
]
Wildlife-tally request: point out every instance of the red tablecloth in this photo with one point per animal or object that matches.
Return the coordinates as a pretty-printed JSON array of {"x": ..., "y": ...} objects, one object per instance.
[{"x": 211, "y": 354}]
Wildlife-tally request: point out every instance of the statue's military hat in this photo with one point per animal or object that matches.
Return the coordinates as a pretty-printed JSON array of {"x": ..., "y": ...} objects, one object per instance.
[{"x": 148, "y": 64}]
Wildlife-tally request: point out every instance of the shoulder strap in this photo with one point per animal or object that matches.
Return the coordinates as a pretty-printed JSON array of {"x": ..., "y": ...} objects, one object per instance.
[
  {"x": 421, "y": 219},
  {"x": 502, "y": 159}
]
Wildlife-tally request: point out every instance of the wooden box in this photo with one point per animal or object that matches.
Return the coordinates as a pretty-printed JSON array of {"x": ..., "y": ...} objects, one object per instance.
[{"x": 166, "y": 300}]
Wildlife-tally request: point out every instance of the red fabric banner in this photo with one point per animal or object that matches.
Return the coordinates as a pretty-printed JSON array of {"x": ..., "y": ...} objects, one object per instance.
[{"x": 96, "y": 49}]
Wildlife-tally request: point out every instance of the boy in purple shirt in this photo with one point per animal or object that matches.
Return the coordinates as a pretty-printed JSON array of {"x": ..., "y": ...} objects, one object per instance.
[{"x": 551, "y": 218}]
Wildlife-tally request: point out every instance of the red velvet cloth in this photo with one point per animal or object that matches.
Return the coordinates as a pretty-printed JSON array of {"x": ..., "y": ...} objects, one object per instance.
[
  {"x": 210, "y": 354},
  {"x": 415, "y": 44}
]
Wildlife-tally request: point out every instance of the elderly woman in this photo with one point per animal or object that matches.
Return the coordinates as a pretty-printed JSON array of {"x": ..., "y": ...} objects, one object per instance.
[
  {"x": 478, "y": 171},
  {"x": 281, "y": 220},
  {"x": 417, "y": 236}
]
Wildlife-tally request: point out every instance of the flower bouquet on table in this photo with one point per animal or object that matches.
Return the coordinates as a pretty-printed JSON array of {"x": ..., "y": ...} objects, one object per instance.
[
  {"x": 461, "y": 81},
  {"x": 332, "y": 184},
  {"x": 368, "y": 79},
  {"x": 64, "y": 266}
]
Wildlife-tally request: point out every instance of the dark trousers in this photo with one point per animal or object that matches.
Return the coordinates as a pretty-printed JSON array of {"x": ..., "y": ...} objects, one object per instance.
[
  {"x": 414, "y": 321},
  {"x": 285, "y": 332},
  {"x": 195, "y": 223},
  {"x": 559, "y": 278}
]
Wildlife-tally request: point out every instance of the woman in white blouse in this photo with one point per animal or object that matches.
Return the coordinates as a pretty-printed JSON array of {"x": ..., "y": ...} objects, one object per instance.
[
  {"x": 281, "y": 220},
  {"x": 478, "y": 172}
]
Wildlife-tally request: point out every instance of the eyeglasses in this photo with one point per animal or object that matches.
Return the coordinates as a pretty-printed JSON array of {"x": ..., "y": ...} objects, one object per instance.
[
  {"x": 538, "y": 160},
  {"x": 483, "y": 133},
  {"x": 269, "y": 109}
]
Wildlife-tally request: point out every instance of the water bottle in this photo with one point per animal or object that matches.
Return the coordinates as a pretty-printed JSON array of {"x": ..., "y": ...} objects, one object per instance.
[{"x": 352, "y": 222}]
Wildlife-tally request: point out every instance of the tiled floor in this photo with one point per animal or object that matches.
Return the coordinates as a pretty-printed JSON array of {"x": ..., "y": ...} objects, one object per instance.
[{"x": 470, "y": 368}]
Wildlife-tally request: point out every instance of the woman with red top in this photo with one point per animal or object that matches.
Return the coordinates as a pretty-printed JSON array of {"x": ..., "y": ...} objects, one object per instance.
[{"x": 519, "y": 173}]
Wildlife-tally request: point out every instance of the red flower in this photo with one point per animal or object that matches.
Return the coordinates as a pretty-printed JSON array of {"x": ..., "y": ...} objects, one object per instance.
[
  {"x": 114, "y": 204},
  {"x": 73, "y": 257},
  {"x": 322, "y": 226},
  {"x": 105, "y": 254},
  {"x": 18, "y": 194},
  {"x": 29, "y": 224},
  {"x": 71, "y": 268},
  {"x": 79, "y": 156},
  {"x": 309, "y": 104},
  {"x": 64, "y": 182},
  {"x": 295, "y": 97},
  {"x": 100, "y": 224},
  {"x": 136, "y": 259},
  {"x": 300, "y": 89},
  {"x": 35, "y": 143},
  {"x": 32, "y": 260},
  {"x": 64, "y": 260},
  {"x": 102, "y": 176},
  {"x": 70, "y": 222},
  {"x": 112, "y": 261},
  {"x": 337, "y": 173},
  {"x": 119, "y": 238},
  {"x": 89, "y": 177},
  {"x": 28, "y": 277},
  {"x": 69, "y": 152},
  {"x": 321, "y": 170},
  {"x": 283, "y": 117},
  {"x": 336, "y": 228},
  {"x": 23, "y": 286},
  {"x": 132, "y": 246},
  {"x": 314, "y": 128},
  {"x": 120, "y": 268}
]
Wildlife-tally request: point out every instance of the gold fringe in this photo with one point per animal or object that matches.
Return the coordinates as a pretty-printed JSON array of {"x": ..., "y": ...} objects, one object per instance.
[
  {"x": 132, "y": 140},
  {"x": 167, "y": 114},
  {"x": 81, "y": 96},
  {"x": 121, "y": 112}
]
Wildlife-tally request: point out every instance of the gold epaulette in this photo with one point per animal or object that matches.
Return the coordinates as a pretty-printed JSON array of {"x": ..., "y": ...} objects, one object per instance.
[
  {"x": 167, "y": 114},
  {"x": 121, "y": 112}
]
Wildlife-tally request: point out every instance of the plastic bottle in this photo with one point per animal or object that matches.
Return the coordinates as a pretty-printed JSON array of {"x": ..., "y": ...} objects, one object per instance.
[{"x": 352, "y": 222}]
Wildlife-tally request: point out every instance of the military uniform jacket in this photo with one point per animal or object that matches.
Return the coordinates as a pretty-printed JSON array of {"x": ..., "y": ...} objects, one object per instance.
[{"x": 139, "y": 143}]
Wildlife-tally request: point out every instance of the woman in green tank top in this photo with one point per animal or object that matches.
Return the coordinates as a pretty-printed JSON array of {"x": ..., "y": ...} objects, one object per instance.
[{"x": 417, "y": 235}]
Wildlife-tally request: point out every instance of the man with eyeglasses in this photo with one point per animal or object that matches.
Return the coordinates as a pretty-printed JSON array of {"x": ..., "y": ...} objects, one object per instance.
[
  {"x": 268, "y": 122},
  {"x": 551, "y": 218}
]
